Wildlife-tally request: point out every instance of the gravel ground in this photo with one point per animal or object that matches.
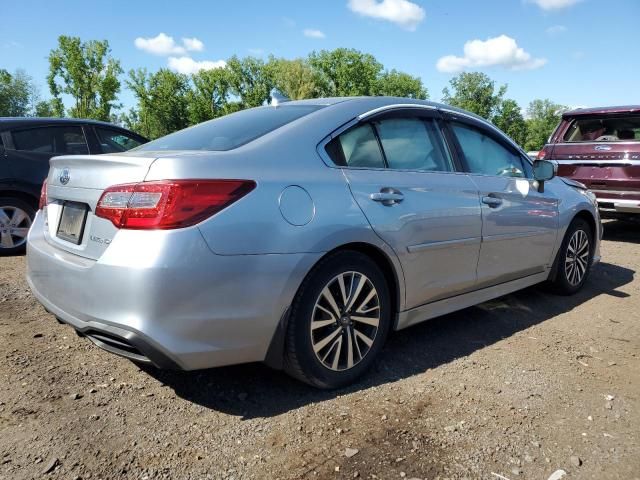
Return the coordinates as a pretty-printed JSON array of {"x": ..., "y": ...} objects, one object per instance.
[{"x": 519, "y": 387}]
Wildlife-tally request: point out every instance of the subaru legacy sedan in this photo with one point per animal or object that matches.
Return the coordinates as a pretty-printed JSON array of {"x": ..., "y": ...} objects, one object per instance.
[{"x": 300, "y": 235}]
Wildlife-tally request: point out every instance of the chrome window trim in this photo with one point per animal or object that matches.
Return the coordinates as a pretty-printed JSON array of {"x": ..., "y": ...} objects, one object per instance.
[
  {"x": 322, "y": 152},
  {"x": 396, "y": 106}
]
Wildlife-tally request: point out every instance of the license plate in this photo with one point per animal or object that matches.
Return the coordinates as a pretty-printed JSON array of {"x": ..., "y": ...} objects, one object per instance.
[{"x": 72, "y": 221}]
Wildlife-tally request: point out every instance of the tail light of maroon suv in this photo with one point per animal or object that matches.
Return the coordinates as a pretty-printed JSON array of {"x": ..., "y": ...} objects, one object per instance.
[{"x": 600, "y": 147}]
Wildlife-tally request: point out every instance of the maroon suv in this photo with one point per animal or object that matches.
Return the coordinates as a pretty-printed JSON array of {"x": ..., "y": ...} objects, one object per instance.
[{"x": 600, "y": 147}]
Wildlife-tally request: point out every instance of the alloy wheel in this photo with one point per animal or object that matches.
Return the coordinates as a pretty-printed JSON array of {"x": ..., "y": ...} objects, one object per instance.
[
  {"x": 14, "y": 226},
  {"x": 577, "y": 258},
  {"x": 345, "y": 321}
]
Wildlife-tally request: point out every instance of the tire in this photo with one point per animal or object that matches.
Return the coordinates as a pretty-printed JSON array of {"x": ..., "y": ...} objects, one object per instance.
[
  {"x": 16, "y": 217},
  {"x": 572, "y": 270},
  {"x": 346, "y": 344}
]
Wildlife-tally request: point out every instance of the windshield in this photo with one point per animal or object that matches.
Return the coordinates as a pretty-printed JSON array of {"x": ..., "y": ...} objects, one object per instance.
[
  {"x": 604, "y": 129},
  {"x": 230, "y": 131}
]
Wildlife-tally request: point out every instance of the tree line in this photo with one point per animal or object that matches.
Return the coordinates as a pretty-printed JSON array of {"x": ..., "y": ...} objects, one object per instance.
[{"x": 89, "y": 78}]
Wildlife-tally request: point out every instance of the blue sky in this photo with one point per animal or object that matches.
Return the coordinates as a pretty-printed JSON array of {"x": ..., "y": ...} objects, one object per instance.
[{"x": 575, "y": 52}]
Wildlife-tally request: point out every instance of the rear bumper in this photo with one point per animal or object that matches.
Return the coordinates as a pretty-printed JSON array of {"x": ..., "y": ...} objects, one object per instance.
[
  {"x": 163, "y": 297},
  {"x": 617, "y": 205}
]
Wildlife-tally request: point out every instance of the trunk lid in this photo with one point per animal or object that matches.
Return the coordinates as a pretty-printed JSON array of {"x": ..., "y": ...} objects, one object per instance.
[
  {"x": 75, "y": 183},
  {"x": 610, "y": 169}
]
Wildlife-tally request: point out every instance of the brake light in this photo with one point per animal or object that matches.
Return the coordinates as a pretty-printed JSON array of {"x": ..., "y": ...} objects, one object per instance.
[
  {"x": 168, "y": 204},
  {"x": 43, "y": 196}
]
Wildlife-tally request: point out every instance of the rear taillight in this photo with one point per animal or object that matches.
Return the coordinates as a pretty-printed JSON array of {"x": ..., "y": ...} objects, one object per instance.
[
  {"x": 43, "y": 196},
  {"x": 542, "y": 153},
  {"x": 168, "y": 204}
]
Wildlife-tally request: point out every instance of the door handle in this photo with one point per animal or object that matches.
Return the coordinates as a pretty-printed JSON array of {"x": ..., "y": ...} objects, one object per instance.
[
  {"x": 492, "y": 202},
  {"x": 387, "y": 196}
]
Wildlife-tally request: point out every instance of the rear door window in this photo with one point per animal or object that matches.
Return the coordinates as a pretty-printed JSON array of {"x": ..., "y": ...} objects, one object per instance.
[
  {"x": 413, "y": 144},
  {"x": 360, "y": 148},
  {"x": 114, "y": 141},
  {"x": 604, "y": 129},
  {"x": 54, "y": 140}
]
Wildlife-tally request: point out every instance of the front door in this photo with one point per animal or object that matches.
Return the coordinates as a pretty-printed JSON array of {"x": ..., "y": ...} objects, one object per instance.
[
  {"x": 403, "y": 178},
  {"x": 519, "y": 224}
]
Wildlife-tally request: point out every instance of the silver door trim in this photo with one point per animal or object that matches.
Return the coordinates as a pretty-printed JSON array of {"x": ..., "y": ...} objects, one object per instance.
[
  {"x": 512, "y": 236},
  {"x": 444, "y": 244}
]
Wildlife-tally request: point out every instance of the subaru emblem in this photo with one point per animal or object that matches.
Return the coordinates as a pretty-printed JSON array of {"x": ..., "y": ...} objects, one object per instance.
[
  {"x": 603, "y": 148},
  {"x": 64, "y": 176}
]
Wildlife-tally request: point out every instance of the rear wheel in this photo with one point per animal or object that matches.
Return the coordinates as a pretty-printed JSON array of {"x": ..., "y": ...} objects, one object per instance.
[
  {"x": 339, "y": 321},
  {"x": 16, "y": 217},
  {"x": 574, "y": 258}
]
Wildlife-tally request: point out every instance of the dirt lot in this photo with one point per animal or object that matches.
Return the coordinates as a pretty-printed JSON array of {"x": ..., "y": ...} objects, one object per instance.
[{"x": 515, "y": 388}]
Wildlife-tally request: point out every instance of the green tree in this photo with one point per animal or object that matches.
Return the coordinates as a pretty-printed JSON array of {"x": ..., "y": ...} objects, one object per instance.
[
  {"x": 543, "y": 118},
  {"x": 400, "y": 84},
  {"x": 250, "y": 81},
  {"x": 163, "y": 107},
  {"x": 347, "y": 72},
  {"x": 509, "y": 119},
  {"x": 209, "y": 96},
  {"x": 475, "y": 92},
  {"x": 296, "y": 78},
  {"x": 46, "y": 108},
  {"x": 88, "y": 73},
  {"x": 17, "y": 94}
]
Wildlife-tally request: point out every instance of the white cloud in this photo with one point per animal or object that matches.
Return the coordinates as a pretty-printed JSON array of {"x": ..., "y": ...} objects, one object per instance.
[
  {"x": 498, "y": 51},
  {"x": 188, "y": 65},
  {"x": 556, "y": 30},
  {"x": 193, "y": 44},
  {"x": 554, "y": 4},
  {"x": 164, "y": 45},
  {"x": 311, "y": 33},
  {"x": 402, "y": 12}
]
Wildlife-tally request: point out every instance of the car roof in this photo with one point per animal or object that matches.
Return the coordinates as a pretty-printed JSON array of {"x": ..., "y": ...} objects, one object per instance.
[
  {"x": 12, "y": 122},
  {"x": 370, "y": 103},
  {"x": 602, "y": 110}
]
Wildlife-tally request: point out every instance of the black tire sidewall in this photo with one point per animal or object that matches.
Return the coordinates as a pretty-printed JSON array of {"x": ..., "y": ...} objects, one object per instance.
[
  {"x": 23, "y": 205},
  {"x": 299, "y": 338}
]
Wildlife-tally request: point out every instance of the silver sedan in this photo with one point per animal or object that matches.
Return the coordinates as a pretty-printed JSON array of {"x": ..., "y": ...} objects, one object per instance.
[{"x": 301, "y": 234}]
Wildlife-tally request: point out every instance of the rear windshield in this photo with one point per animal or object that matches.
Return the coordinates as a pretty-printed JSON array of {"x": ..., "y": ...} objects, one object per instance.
[
  {"x": 604, "y": 129},
  {"x": 230, "y": 131}
]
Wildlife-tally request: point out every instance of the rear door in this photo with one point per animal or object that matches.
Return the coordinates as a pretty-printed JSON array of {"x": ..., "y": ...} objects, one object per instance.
[
  {"x": 519, "y": 224},
  {"x": 404, "y": 179}
]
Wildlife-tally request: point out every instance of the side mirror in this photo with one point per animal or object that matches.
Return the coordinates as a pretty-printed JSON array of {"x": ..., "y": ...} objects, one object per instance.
[{"x": 543, "y": 171}]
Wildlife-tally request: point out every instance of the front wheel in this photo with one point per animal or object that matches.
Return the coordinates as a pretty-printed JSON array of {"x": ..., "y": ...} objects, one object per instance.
[
  {"x": 574, "y": 258},
  {"x": 339, "y": 321}
]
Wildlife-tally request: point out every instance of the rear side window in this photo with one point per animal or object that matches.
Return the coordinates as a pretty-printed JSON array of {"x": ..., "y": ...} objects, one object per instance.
[
  {"x": 360, "y": 148},
  {"x": 231, "y": 131},
  {"x": 54, "y": 140},
  {"x": 604, "y": 129},
  {"x": 413, "y": 144},
  {"x": 484, "y": 155},
  {"x": 114, "y": 141}
]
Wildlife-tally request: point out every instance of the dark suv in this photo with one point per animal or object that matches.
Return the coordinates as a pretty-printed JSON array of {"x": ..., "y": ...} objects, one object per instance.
[
  {"x": 26, "y": 145},
  {"x": 600, "y": 147}
]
